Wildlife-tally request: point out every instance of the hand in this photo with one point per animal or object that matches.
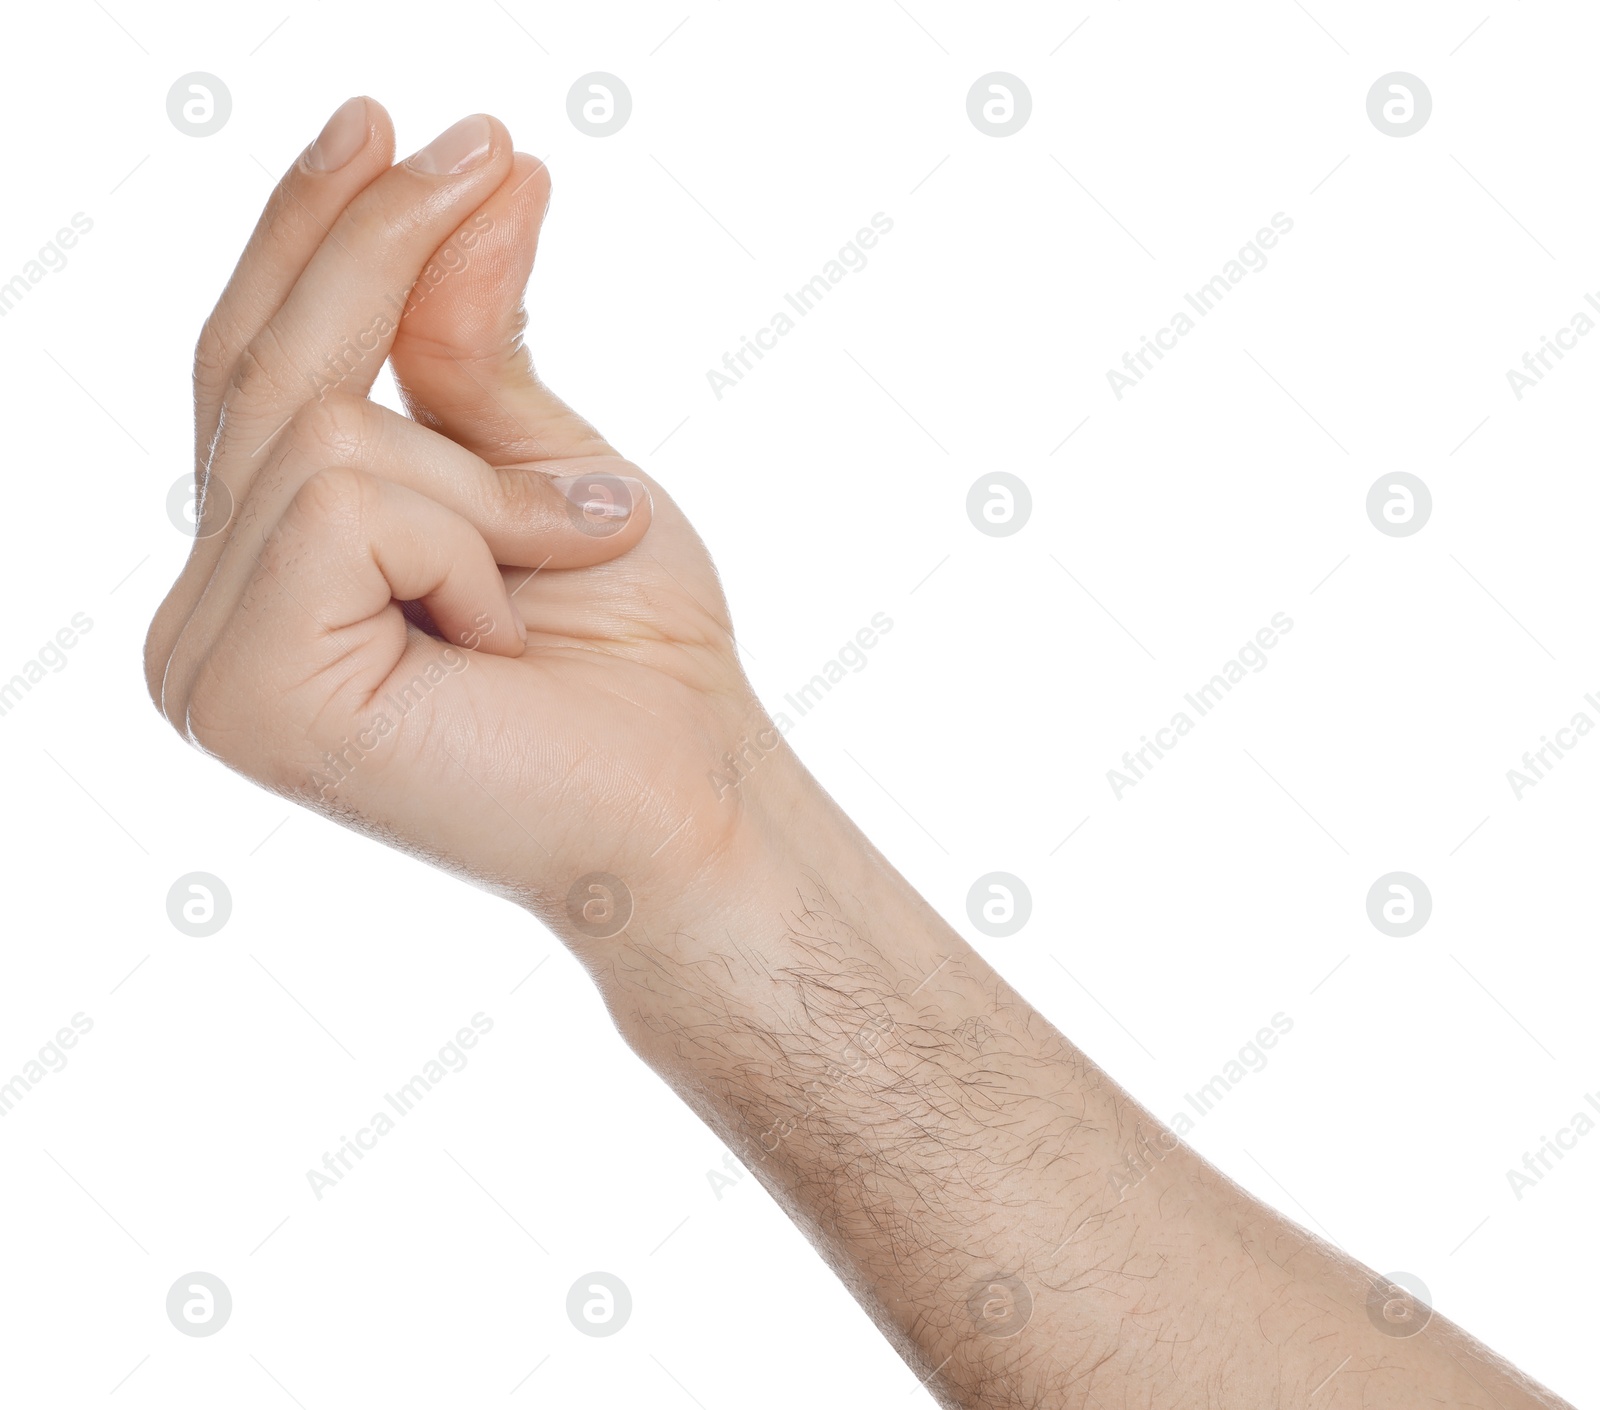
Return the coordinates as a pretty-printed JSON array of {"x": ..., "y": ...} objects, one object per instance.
[{"x": 342, "y": 633}]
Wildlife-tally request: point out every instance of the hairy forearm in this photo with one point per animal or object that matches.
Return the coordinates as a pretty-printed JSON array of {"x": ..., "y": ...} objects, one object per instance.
[{"x": 1021, "y": 1229}]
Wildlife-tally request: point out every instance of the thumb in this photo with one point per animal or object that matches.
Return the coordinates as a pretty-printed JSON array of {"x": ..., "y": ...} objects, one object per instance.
[{"x": 459, "y": 356}]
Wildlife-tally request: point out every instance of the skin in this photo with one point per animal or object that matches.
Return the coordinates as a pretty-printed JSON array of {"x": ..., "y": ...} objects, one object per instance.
[{"x": 559, "y": 688}]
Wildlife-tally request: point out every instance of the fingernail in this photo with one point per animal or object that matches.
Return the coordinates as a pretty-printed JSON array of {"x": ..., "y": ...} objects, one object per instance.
[
  {"x": 601, "y": 504},
  {"x": 456, "y": 149},
  {"x": 521, "y": 626},
  {"x": 344, "y": 136}
]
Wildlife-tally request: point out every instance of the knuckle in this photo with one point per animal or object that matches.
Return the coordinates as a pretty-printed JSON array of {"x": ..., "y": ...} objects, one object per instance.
[
  {"x": 255, "y": 374},
  {"x": 328, "y": 506},
  {"x": 202, "y": 719},
  {"x": 158, "y": 645},
  {"x": 527, "y": 497},
  {"x": 333, "y": 495},
  {"x": 209, "y": 718},
  {"x": 285, "y": 217},
  {"x": 367, "y": 224},
  {"x": 214, "y": 356},
  {"x": 334, "y": 425},
  {"x": 250, "y": 376}
]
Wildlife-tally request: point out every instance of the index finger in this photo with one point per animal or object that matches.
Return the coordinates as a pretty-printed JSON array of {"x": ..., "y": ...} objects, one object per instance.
[
  {"x": 355, "y": 146},
  {"x": 336, "y": 323}
]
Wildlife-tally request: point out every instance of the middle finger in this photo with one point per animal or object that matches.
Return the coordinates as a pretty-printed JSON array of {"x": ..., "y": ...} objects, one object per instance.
[{"x": 336, "y": 325}]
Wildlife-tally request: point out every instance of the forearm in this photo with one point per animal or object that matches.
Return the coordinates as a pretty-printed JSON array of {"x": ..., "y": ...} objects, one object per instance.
[{"x": 1006, "y": 1213}]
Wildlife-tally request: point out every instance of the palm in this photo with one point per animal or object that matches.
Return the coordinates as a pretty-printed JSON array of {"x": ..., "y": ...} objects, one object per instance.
[
  {"x": 595, "y": 750},
  {"x": 598, "y": 750}
]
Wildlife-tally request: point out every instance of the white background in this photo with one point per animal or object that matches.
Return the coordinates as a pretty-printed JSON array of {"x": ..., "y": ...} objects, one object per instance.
[{"x": 1228, "y": 886}]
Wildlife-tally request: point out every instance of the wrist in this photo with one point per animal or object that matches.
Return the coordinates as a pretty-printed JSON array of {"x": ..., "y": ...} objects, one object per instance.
[{"x": 794, "y": 900}]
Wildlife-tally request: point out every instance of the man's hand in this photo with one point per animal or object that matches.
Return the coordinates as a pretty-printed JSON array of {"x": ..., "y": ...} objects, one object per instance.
[{"x": 342, "y": 633}]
